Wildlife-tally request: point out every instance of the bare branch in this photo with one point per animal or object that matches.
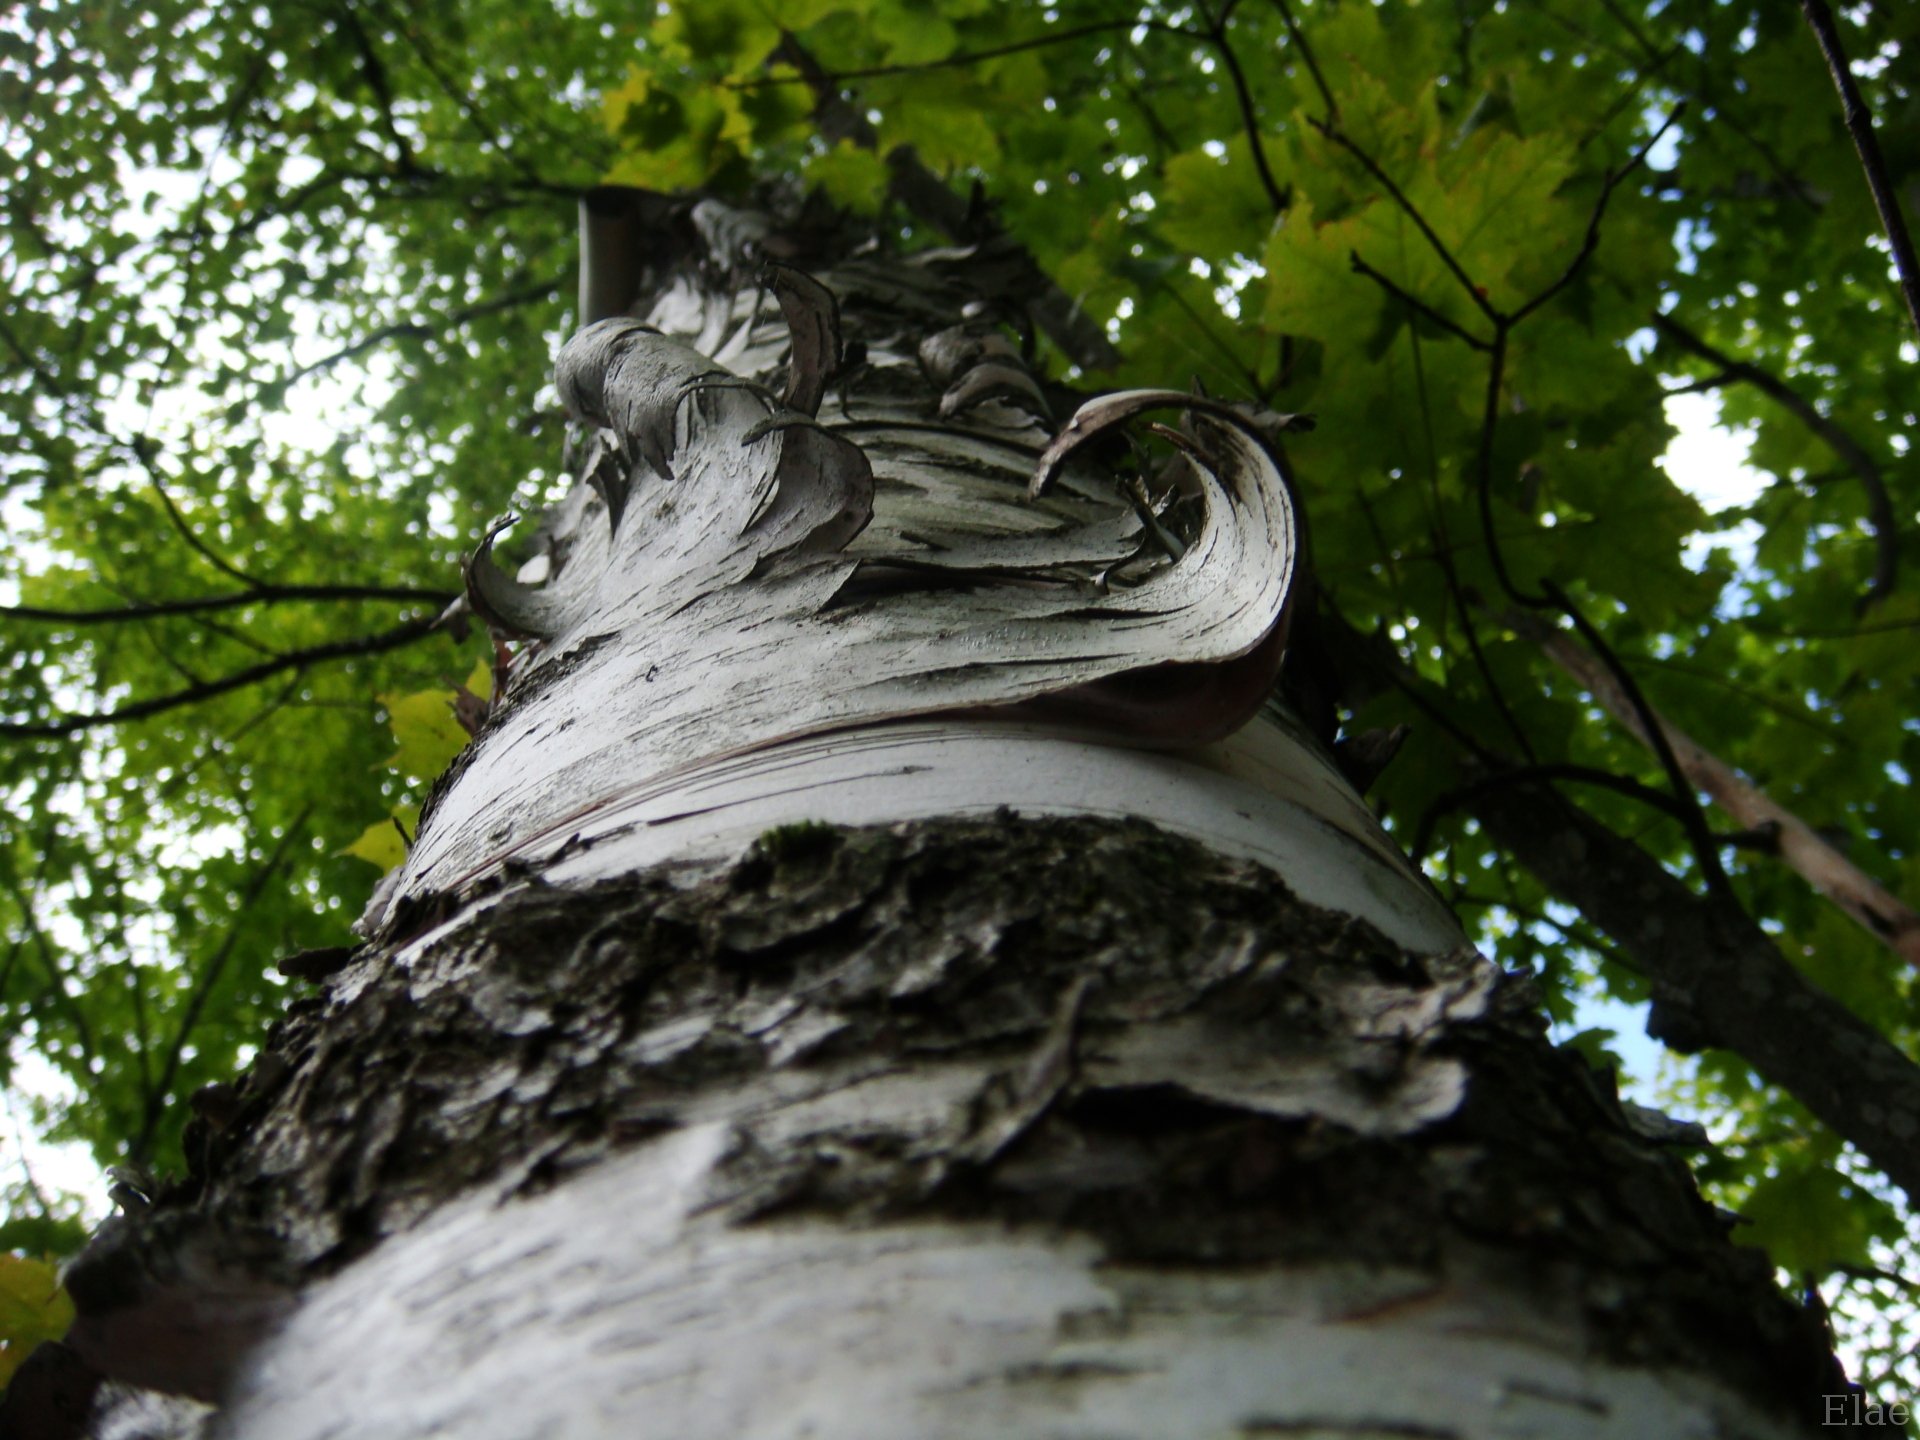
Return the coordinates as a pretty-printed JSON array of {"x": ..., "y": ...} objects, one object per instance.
[
  {"x": 1412, "y": 212},
  {"x": 1718, "y": 978},
  {"x": 1592, "y": 238},
  {"x": 419, "y": 330},
  {"x": 1249, "y": 120},
  {"x": 1859, "y": 120},
  {"x": 963, "y": 57},
  {"x": 403, "y": 634},
  {"x": 1462, "y": 796},
  {"x": 1413, "y": 302},
  {"x": 50, "y": 962},
  {"x": 143, "y": 451},
  {"x": 1299, "y": 40},
  {"x": 1882, "y": 915},
  {"x": 266, "y": 594},
  {"x": 1694, "y": 818}
]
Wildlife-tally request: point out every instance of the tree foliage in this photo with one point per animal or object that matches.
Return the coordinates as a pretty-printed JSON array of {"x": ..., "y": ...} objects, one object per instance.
[{"x": 283, "y": 279}]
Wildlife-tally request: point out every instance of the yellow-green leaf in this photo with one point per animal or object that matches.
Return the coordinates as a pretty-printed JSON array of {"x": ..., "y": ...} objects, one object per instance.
[
  {"x": 428, "y": 734},
  {"x": 381, "y": 843},
  {"x": 33, "y": 1308}
]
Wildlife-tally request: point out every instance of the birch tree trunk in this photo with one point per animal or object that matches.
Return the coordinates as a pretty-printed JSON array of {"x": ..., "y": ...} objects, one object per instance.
[{"x": 880, "y": 972}]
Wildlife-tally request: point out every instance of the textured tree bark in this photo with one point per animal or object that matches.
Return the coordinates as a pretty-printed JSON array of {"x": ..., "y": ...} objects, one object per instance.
[{"x": 1115, "y": 1078}]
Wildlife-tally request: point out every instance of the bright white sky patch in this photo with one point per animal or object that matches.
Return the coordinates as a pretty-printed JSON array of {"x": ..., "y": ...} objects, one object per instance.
[{"x": 1707, "y": 460}]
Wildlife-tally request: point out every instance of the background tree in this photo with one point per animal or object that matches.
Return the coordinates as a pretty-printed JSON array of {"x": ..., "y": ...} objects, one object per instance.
[{"x": 1445, "y": 234}]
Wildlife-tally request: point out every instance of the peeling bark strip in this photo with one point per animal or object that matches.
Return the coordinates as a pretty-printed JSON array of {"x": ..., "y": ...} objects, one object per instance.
[
  {"x": 950, "y": 1129},
  {"x": 738, "y": 570}
]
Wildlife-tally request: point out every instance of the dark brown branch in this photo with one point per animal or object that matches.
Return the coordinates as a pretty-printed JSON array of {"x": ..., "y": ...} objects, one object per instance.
[
  {"x": 1591, "y": 240},
  {"x": 264, "y": 595},
  {"x": 964, "y": 57},
  {"x": 418, "y": 330},
  {"x": 1820, "y": 632},
  {"x": 1461, "y": 796},
  {"x": 1249, "y": 119},
  {"x": 1413, "y": 302},
  {"x": 1299, "y": 41},
  {"x": 375, "y": 70},
  {"x": 1718, "y": 978},
  {"x": 142, "y": 449},
  {"x": 1848, "y": 450},
  {"x": 1693, "y": 817},
  {"x": 50, "y": 961},
  {"x": 1443, "y": 555},
  {"x": 403, "y": 634},
  {"x": 1859, "y": 121},
  {"x": 1412, "y": 212},
  {"x": 1187, "y": 308}
]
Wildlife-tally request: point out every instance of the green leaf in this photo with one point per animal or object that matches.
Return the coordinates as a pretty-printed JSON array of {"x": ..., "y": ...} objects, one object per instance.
[{"x": 850, "y": 176}]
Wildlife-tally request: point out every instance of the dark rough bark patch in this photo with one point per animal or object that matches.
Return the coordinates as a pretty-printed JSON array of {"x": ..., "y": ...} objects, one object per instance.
[{"x": 1033, "y": 974}]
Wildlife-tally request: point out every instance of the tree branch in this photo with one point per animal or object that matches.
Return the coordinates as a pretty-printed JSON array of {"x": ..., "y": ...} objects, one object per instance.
[
  {"x": 964, "y": 57},
  {"x": 1859, "y": 121},
  {"x": 1461, "y": 796},
  {"x": 266, "y": 594},
  {"x": 417, "y": 330},
  {"x": 142, "y": 449},
  {"x": 1591, "y": 240},
  {"x": 1412, "y": 302},
  {"x": 1249, "y": 119},
  {"x": 1412, "y": 212},
  {"x": 1718, "y": 979},
  {"x": 1846, "y": 449},
  {"x": 403, "y": 634},
  {"x": 1881, "y": 914},
  {"x": 1299, "y": 41}
]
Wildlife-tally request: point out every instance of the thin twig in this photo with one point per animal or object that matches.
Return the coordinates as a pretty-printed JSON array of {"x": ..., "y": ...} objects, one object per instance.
[
  {"x": 1443, "y": 555},
  {"x": 56, "y": 976},
  {"x": 143, "y": 451},
  {"x": 417, "y": 330},
  {"x": 1413, "y": 302},
  {"x": 1592, "y": 238},
  {"x": 1694, "y": 818},
  {"x": 1412, "y": 212},
  {"x": 203, "y": 984},
  {"x": 1883, "y": 915},
  {"x": 1462, "y": 795},
  {"x": 1299, "y": 39}
]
